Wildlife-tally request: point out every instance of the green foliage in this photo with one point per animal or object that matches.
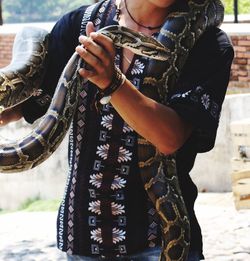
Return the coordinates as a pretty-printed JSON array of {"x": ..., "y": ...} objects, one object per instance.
[
  {"x": 243, "y": 6},
  {"x": 25, "y": 11},
  {"x": 28, "y": 202},
  {"x": 2, "y": 211},
  {"x": 36, "y": 204},
  {"x": 20, "y": 11}
]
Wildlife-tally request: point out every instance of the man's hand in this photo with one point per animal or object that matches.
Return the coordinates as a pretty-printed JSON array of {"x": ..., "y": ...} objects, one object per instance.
[{"x": 98, "y": 52}]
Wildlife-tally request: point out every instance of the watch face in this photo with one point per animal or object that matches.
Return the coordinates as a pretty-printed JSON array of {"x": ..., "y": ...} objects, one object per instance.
[{"x": 105, "y": 99}]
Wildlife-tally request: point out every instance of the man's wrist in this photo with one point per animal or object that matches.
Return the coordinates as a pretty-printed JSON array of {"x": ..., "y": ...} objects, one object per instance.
[{"x": 104, "y": 95}]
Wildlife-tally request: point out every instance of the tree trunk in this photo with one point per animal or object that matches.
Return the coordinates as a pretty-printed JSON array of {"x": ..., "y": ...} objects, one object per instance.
[{"x": 1, "y": 15}]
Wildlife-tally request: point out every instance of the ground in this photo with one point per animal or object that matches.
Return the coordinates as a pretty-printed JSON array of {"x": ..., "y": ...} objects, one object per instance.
[{"x": 30, "y": 236}]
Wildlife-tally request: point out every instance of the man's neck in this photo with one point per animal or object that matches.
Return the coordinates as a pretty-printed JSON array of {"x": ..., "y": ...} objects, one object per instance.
[{"x": 146, "y": 12}]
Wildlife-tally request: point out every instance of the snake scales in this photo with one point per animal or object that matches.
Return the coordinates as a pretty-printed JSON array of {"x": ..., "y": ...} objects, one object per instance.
[{"x": 178, "y": 35}]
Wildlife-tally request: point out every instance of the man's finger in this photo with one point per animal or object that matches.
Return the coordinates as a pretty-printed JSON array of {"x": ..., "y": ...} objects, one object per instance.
[
  {"x": 90, "y": 28},
  {"x": 96, "y": 49},
  {"x": 104, "y": 41}
]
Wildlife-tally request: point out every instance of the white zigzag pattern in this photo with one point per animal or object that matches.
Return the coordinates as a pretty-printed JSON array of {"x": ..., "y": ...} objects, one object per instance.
[
  {"x": 118, "y": 235},
  {"x": 127, "y": 128},
  {"x": 96, "y": 180},
  {"x": 124, "y": 155},
  {"x": 118, "y": 183},
  {"x": 96, "y": 235},
  {"x": 102, "y": 151},
  {"x": 95, "y": 207},
  {"x": 138, "y": 67},
  {"x": 107, "y": 121},
  {"x": 117, "y": 209}
]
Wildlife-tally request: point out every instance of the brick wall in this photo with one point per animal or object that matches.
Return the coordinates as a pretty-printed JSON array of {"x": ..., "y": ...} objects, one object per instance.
[
  {"x": 240, "y": 74},
  {"x": 6, "y": 42}
]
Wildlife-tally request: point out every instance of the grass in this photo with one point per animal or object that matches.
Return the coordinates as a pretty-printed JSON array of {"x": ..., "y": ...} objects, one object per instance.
[
  {"x": 40, "y": 205},
  {"x": 36, "y": 204},
  {"x": 243, "y": 6}
]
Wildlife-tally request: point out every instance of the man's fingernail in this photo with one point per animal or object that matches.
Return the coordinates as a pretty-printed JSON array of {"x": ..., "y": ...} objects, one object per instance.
[{"x": 93, "y": 34}]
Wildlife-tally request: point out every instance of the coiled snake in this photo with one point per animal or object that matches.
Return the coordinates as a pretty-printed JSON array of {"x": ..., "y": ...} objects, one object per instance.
[{"x": 18, "y": 81}]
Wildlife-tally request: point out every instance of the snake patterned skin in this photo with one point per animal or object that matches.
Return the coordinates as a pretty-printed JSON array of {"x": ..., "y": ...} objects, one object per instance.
[
  {"x": 32, "y": 150},
  {"x": 183, "y": 27},
  {"x": 20, "y": 79}
]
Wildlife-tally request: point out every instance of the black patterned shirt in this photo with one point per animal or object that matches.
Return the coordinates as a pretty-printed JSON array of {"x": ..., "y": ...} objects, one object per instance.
[{"x": 105, "y": 209}]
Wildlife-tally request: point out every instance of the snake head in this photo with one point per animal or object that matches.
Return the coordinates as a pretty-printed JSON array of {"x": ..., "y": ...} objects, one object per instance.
[{"x": 136, "y": 42}]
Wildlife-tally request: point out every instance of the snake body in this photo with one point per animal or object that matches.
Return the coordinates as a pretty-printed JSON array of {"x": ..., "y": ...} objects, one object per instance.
[
  {"x": 183, "y": 27},
  {"x": 20, "y": 79}
]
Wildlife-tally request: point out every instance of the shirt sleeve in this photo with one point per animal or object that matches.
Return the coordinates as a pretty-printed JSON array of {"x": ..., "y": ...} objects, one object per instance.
[
  {"x": 201, "y": 88},
  {"x": 62, "y": 42}
]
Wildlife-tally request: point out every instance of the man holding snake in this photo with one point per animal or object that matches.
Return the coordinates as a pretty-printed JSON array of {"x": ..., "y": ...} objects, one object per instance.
[{"x": 106, "y": 213}]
